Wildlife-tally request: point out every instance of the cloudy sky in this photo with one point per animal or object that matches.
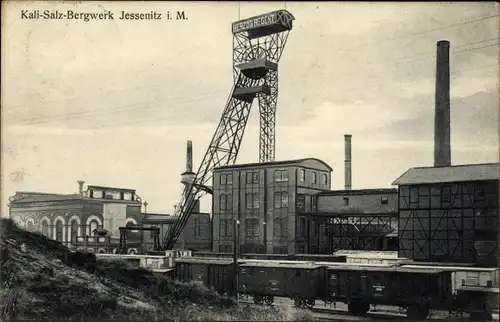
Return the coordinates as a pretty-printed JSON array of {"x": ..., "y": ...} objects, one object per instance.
[{"x": 113, "y": 102}]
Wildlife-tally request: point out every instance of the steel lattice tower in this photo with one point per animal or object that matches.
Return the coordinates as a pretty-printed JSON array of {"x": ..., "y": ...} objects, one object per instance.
[{"x": 258, "y": 43}]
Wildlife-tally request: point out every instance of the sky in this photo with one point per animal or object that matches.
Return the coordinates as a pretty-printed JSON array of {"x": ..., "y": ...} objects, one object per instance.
[{"x": 113, "y": 102}]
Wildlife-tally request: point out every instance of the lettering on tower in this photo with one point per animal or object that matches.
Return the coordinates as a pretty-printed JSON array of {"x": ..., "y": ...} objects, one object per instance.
[{"x": 256, "y": 22}]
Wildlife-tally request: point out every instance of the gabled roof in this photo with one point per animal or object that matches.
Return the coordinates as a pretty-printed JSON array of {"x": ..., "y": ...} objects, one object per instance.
[
  {"x": 274, "y": 163},
  {"x": 457, "y": 173}
]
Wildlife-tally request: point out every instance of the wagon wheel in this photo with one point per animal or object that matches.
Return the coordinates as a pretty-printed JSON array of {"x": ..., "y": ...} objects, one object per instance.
[
  {"x": 257, "y": 299},
  {"x": 269, "y": 299},
  {"x": 309, "y": 303}
]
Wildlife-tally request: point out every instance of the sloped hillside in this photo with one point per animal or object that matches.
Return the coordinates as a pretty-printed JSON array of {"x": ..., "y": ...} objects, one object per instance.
[{"x": 41, "y": 279}]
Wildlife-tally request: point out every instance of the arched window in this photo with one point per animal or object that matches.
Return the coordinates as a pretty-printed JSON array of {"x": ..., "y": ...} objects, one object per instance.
[
  {"x": 74, "y": 230},
  {"x": 93, "y": 226},
  {"x": 30, "y": 226},
  {"x": 59, "y": 230},
  {"x": 45, "y": 228}
]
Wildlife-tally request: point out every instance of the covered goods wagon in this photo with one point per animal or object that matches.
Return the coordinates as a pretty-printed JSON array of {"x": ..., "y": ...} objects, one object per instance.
[
  {"x": 417, "y": 291},
  {"x": 299, "y": 281},
  {"x": 212, "y": 272}
]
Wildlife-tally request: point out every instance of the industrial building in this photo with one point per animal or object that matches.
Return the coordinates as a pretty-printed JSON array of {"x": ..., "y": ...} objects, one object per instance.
[
  {"x": 287, "y": 207},
  {"x": 365, "y": 219},
  {"x": 263, "y": 200},
  {"x": 450, "y": 214},
  {"x": 79, "y": 220}
]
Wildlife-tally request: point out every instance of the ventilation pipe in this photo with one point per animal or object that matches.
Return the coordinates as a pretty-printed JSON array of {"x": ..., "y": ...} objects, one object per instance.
[
  {"x": 80, "y": 187},
  {"x": 347, "y": 162},
  {"x": 442, "y": 149}
]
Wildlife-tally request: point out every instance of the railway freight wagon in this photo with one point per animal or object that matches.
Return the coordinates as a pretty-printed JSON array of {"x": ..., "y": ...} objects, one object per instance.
[
  {"x": 417, "y": 291},
  {"x": 212, "y": 272},
  {"x": 320, "y": 258},
  {"x": 475, "y": 289},
  {"x": 298, "y": 281}
]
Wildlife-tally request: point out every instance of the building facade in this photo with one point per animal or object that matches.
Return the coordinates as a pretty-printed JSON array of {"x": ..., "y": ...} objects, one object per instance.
[
  {"x": 263, "y": 199},
  {"x": 76, "y": 219},
  {"x": 450, "y": 214},
  {"x": 364, "y": 219}
]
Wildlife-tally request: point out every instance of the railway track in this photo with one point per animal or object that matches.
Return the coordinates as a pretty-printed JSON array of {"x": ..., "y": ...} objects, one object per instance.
[{"x": 336, "y": 314}]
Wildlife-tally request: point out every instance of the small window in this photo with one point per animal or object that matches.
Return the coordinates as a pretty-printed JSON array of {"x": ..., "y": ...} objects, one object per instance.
[
  {"x": 280, "y": 175},
  {"x": 226, "y": 178},
  {"x": 226, "y": 203},
  {"x": 249, "y": 177},
  {"x": 384, "y": 200},
  {"x": 314, "y": 179},
  {"x": 302, "y": 175},
  {"x": 252, "y": 200},
  {"x": 445, "y": 194},
  {"x": 413, "y": 194},
  {"x": 346, "y": 201},
  {"x": 281, "y": 200},
  {"x": 302, "y": 227},
  {"x": 325, "y": 179},
  {"x": 256, "y": 177}
]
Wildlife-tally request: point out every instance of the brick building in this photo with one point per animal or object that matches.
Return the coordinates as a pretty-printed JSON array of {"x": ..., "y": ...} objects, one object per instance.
[
  {"x": 264, "y": 198},
  {"x": 75, "y": 219}
]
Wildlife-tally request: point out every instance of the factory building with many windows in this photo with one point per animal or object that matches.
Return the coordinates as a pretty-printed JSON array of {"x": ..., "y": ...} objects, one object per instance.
[{"x": 262, "y": 200}]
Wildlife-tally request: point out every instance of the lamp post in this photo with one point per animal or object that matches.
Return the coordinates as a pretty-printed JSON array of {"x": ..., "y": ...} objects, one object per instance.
[
  {"x": 235, "y": 257},
  {"x": 265, "y": 236}
]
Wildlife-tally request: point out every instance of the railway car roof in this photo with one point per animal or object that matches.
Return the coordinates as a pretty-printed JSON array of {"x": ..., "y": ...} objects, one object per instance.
[
  {"x": 391, "y": 269},
  {"x": 282, "y": 265},
  {"x": 203, "y": 260},
  {"x": 336, "y": 264},
  {"x": 367, "y": 254},
  {"x": 453, "y": 268},
  {"x": 478, "y": 289}
]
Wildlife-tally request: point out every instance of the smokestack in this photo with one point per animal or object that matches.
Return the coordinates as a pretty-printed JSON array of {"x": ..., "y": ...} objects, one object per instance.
[
  {"x": 189, "y": 157},
  {"x": 80, "y": 187},
  {"x": 442, "y": 151},
  {"x": 347, "y": 162}
]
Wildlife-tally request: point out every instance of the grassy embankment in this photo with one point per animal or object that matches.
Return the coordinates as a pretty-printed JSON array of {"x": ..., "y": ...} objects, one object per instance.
[{"x": 41, "y": 279}]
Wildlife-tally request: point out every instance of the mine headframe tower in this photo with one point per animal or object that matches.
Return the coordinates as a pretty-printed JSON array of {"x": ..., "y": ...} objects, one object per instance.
[{"x": 258, "y": 43}]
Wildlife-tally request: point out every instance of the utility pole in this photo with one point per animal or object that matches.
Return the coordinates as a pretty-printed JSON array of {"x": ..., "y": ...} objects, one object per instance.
[{"x": 235, "y": 257}]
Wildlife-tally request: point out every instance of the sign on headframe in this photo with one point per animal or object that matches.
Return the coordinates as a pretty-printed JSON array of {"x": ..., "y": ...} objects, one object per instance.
[
  {"x": 265, "y": 24},
  {"x": 255, "y": 22}
]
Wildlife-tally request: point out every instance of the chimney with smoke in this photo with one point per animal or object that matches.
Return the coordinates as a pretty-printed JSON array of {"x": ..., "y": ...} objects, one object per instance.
[
  {"x": 442, "y": 149},
  {"x": 347, "y": 162},
  {"x": 80, "y": 187}
]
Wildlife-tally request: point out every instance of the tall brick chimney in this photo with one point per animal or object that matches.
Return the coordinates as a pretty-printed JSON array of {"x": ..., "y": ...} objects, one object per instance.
[
  {"x": 347, "y": 162},
  {"x": 189, "y": 157},
  {"x": 442, "y": 149}
]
